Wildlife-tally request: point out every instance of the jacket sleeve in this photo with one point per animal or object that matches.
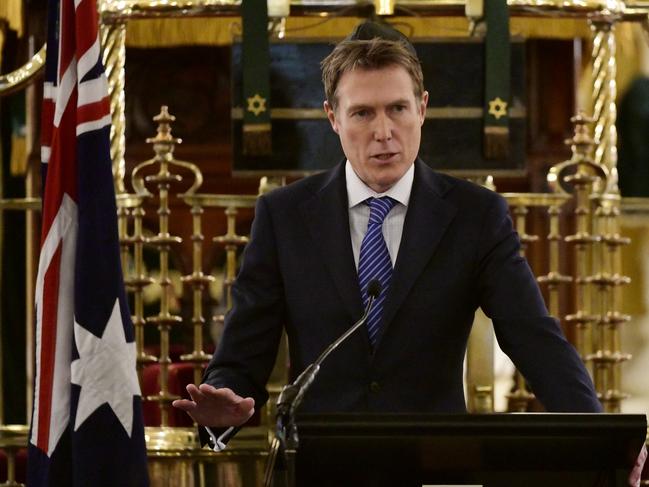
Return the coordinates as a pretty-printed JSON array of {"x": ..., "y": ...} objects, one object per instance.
[
  {"x": 248, "y": 347},
  {"x": 534, "y": 341}
]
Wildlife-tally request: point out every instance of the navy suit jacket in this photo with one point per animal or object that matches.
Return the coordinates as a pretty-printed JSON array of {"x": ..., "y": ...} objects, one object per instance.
[{"x": 458, "y": 252}]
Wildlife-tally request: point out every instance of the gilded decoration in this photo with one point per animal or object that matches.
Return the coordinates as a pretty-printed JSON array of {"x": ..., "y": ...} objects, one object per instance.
[
  {"x": 256, "y": 104},
  {"x": 498, "y": 107}
]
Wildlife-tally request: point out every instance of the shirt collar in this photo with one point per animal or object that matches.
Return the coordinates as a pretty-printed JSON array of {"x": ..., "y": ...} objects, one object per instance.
[{"x": 358, "y": 191}]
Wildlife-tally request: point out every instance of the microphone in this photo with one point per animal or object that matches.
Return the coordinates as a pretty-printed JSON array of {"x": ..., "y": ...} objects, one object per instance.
[
  {"x": 292, "y": 394},
  {"x": 286, "y": 435},
  {"x": 374, "y": 289}
]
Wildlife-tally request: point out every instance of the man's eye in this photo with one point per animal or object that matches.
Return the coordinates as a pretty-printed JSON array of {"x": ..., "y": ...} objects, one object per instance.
[
  {"x": 360, "y": 113},
  {"x": 398, "y": 108}
]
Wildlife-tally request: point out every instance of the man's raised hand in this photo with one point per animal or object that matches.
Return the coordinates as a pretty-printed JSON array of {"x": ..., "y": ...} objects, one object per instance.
[{"x": 214, "y": 407}]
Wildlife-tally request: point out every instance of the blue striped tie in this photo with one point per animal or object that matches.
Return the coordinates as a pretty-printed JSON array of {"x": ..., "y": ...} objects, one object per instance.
[{"x": 374, "y": 262}]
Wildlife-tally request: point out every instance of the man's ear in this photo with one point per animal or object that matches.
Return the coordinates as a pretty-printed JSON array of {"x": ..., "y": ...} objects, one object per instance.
[
  {"x": 331, "y": 115},
  {"x": 422, "y": 107}
]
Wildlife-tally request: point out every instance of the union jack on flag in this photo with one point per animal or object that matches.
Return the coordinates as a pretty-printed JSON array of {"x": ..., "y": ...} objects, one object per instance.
[{"x": 87, "y": 427}]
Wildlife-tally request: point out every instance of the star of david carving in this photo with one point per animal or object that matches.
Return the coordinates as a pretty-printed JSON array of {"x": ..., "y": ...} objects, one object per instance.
[
  {"x": 498, "y": 108},
  {"x": 256, "y": 104}
]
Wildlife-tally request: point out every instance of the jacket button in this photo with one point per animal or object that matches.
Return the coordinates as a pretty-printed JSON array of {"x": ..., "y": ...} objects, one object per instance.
[{"x": 375, "y": 386}]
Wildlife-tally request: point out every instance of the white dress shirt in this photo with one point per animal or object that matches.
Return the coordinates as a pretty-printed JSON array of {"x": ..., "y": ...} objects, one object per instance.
[{"x": 359, "y": 212}]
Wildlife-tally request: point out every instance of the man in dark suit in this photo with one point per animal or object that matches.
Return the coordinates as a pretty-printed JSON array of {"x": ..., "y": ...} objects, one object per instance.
[
  {"x": 451, "y": 245},
  {"x": 440, "y": 247}
]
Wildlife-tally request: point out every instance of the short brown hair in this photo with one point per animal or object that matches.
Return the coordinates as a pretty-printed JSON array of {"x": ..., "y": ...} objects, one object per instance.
[{"x": 377, "y": 53}]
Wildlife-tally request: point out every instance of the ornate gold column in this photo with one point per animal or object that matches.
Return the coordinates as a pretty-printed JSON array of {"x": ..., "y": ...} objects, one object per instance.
[
  {"x": 607, "y": 356},
  {"x": 604, "y": 109},
  {"x": 113, "y": 41}
]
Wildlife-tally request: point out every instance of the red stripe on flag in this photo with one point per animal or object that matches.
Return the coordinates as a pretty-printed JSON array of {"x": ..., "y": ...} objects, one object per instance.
[
  {"x": 93, "y": 111},
  {"x": 87, "y": 26},
  {"x": 48, "y": 348},
  {"x": 62, "y": 168},
  {"x": 66, "y": 37}
]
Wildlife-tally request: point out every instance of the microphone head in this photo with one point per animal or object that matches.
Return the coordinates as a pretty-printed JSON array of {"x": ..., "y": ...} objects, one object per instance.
[{"x": 374, "y": 288}]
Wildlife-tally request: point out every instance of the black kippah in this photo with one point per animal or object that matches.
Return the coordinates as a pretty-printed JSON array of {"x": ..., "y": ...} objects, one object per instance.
[{"x": 370, "y": 29}]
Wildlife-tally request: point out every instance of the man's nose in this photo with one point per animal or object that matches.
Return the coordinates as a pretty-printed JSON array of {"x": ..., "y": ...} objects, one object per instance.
[{"x": 382, "y": 128}]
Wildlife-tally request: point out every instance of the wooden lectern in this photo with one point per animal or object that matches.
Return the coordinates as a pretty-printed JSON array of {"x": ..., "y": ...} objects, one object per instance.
[{"x": 493, "y": 450}]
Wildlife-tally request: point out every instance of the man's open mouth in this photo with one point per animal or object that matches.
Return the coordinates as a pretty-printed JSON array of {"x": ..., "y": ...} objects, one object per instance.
[{"x": 385, "y": 156}]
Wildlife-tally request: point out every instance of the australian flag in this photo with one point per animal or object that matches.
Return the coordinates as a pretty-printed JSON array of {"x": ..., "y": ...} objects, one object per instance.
[{"x": 87, "y": 427}]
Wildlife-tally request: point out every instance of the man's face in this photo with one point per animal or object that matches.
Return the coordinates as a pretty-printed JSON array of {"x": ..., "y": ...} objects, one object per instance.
[{"x": 379, "y": 123}]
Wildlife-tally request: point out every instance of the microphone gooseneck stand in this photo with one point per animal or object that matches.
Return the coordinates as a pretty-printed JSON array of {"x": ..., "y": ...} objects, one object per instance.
[{"x": 286, "y": 435}]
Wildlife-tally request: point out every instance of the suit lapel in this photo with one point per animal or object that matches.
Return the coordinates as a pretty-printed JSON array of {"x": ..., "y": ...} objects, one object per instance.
[
  {"x": 426, "y": 221},
  {"x": 327, "y": 217}
]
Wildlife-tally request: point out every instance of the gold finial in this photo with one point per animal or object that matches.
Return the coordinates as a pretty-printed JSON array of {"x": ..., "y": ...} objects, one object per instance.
[
  {"x": 164, "y": 119},
  {"x": 581, "y": 141},
  {"x": 581, "y": 118},
  {"x": 581, "y": 145}
]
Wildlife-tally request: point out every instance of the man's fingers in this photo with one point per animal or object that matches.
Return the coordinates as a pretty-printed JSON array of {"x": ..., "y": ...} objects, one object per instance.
[
  {"x": 216, "y": 406},
  {"x": 206, "y": 388},
  {"x": 194, "y": 392},
  {"x": 224, "y": 395},
  {"x": 211, "y": 390},
  {"x": 642, "y": 458},
  {"x": 184, "y": 404},
  {"x": 636, "y": 473},
  {"x": 247, "y": 403},
  {"x": 250, "y": 413}
]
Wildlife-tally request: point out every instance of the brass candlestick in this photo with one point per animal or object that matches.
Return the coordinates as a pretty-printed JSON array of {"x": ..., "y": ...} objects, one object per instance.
[{"x": 163, "y": 145}]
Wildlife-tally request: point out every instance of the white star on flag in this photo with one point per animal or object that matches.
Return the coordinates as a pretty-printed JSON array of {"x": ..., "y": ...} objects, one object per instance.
[{"x": 105, "y": 370}]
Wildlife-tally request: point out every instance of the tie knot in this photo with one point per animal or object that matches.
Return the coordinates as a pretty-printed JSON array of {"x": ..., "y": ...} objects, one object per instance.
[{"x": 379, "y": 208}]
